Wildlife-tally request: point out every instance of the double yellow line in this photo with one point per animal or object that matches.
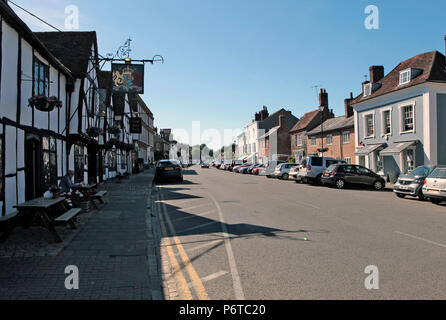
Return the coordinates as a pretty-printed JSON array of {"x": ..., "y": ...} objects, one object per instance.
[{"x": 182, "y": 285}]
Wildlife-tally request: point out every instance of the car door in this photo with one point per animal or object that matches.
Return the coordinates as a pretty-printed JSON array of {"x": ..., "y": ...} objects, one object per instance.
[
  {"x": 350, "y": 175},
  {"x": 365, "y": 176}
]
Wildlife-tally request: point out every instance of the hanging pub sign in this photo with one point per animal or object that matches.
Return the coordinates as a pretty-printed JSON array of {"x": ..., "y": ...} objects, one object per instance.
[
  {"x": 135, "y": 125},
  {"x": 119, "y": 104},
  {"x": 101, "y": 101},
  {"x": 128, "y": 78}
]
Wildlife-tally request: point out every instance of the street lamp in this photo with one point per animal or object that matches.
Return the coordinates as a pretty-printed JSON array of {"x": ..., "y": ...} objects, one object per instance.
[{"x": 321, "y": 110}]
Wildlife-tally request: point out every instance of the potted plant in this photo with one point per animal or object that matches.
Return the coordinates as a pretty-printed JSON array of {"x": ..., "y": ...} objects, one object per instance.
[
  {"x": 54, "y": 102},
  {"x": 39, "y": 102}
]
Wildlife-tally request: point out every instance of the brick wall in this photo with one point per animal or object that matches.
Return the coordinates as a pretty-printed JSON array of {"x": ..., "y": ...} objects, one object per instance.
[{"x": 337, "y": 149}]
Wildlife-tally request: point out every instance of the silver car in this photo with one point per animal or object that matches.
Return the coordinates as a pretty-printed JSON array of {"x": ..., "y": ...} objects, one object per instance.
[
  {"x": 283, "y": 170},
  {"x": 412, "y": 183},
  {"x": 434, "y": 187}
]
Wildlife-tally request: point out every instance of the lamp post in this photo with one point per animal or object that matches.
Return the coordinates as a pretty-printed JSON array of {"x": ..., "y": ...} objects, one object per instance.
[{"x": 321, "y": 110}]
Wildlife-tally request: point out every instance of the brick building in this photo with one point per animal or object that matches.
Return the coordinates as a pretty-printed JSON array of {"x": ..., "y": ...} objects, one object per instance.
[
  {"x": 308, "y": 122},
  {"x": 335, "y": 134}
]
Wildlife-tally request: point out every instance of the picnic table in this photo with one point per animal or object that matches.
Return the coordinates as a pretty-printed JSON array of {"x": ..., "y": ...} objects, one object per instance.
[
  {"x": 42, "y": 209},
  {"x": 86, "y": 187},
  {"x": 90, "y": 188}
]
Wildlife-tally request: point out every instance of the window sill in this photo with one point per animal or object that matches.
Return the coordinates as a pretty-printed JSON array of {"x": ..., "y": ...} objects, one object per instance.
[{"x": 407, "y": 132}]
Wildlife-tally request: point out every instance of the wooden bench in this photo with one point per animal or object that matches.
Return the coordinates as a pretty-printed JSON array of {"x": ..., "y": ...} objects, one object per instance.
[
  {"x": 69, "y": 217},
  {"x": 99, "y": 196}
]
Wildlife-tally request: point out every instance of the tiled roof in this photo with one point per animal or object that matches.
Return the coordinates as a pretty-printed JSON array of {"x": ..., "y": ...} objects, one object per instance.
[
  {"x": 73, "y": 49},
  {"x": 334, "y": 124},
  {"x": 432, "y": 63},
  {"x": 12, "y": 19},
  {"x": 305, "y": 120}
]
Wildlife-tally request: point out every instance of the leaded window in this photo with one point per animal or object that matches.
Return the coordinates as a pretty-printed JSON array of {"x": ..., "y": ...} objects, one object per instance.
[
  {"x": 49, "y": 154},
  {"x": 79, "y": 163},
  {"x": 41, "y": 80}
]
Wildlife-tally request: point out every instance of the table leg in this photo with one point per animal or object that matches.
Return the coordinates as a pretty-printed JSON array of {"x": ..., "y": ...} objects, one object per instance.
[{"x": 49, "y": 225}]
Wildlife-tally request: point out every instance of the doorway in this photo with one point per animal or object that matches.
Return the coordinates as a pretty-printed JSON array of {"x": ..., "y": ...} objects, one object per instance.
[{"x": 33, "y": 167}]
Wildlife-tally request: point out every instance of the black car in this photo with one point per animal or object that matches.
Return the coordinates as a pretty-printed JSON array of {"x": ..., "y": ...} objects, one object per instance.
[
  {"x": 341, "y": 175},
  {"x": 169, "y": 170}
]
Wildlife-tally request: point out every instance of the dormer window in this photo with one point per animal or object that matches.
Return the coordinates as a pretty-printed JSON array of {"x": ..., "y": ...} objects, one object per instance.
[
  {"x": 367, "y": 89},
  {"x": 407, "y": 75}
]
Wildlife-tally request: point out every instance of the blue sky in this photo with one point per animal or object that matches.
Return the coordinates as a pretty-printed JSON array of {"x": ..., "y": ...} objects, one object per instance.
[{"x": 224, "y": 60}]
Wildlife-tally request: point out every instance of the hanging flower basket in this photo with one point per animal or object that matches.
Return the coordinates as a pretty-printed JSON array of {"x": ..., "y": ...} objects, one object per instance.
[
  {"x": 54, "y": 102},
  {"x": 94, "y": 132}
]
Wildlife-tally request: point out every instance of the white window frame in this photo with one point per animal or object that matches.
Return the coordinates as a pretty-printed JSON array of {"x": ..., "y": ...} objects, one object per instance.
[
  {"x": 331, "y": 139},
  {"x": 299, "y": 140},
  {"x": 409, "y": 76},
  {"x": 349, "y": 137},
  {"x": 348, "y": 160},
  {"x": 367, "y": 89},
  {"x": 401, "y": 108},
  {"x": 383, "y": 122},
  {"x": 313, "y": 139},
  {"x": 365, "y": 115}
]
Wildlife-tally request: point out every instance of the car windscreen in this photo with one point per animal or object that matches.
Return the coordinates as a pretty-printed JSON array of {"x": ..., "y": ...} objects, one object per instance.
[
  {"x": 165, "y": 164},
  {"x": 438, "y": 174},
  {"x": 422, "y": 171},
  {"x": 332, "y": 168}
]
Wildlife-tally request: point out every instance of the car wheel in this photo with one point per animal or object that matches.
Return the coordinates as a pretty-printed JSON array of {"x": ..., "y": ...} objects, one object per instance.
[
  {"x": 435, "y": 201},
  {"x": 421, "y": 196},
  {"x": 340, "y": 184},
  {"x": 319, "y": 180},
  {"x": 285, "y": 176},
  {"x": 181, "y": 180},
  {"x": 378, "y": 185},
  {"x": 399, "y": 195}
]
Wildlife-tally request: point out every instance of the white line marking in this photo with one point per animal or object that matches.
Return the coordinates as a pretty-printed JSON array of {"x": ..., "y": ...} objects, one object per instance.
[
  {"x": 211, "y": 277},
  {"x": 238, "y": 290},
  {"x": 198, "y": 227},
  {"x": 422, "y": 239},
  {"x": 204, "y": 245}
]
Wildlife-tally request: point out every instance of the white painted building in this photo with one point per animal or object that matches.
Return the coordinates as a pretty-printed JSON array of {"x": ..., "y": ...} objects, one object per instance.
[{"x": 33, "y": 143}]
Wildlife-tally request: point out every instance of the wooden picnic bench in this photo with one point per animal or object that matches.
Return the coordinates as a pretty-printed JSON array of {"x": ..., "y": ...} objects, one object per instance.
[
  {"x": 99, "y": 196},
  {"x": 43, "y": 210}
]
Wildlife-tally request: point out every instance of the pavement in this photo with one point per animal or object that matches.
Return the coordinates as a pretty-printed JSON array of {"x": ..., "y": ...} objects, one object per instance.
[{"x": 113, "y": 251}]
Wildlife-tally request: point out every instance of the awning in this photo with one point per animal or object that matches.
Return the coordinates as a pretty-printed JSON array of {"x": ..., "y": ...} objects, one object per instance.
[
  {"x": 397, "y": 148},
  {"x": 365, "y": 151}
]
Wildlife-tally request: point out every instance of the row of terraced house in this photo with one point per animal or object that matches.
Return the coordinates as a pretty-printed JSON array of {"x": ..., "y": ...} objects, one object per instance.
[
  {"x": 59, "y": 114},
  {"x": 395, "y": 124}
]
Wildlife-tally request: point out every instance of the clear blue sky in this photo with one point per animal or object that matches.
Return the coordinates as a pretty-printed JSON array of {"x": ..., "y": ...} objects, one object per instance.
[{"x": 224, "y": 60}]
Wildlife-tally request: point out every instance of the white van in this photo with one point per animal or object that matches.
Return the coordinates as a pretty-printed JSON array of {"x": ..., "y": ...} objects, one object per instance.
[{"x": 313, "y": 168}]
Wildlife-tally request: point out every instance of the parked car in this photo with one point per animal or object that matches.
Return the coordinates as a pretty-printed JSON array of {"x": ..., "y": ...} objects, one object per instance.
[
  {"x": 245, "y": 168},
  {"x": 294, "y": 171},
  {"x": 256, "y": 171},
  {"x": 238, "y": 168},
  {"x": 205, "y": 165},
  {"x": 412, "y": 183},
  {"x": 251, "y": 168},
  {"x": 168, "y": 170},
  {"x": 434, "y": 188},
  {"x": 341, "y": 175},
  {"x": 283, "y": 170},
  {"x": 313, "y": 168},
  {"x": 269, "y": 168}
]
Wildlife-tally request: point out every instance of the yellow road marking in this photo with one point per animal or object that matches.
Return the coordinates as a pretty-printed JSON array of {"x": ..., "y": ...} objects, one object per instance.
[
  {"x": 180, "y": 279},
  {"x": 195, "y": 279}
]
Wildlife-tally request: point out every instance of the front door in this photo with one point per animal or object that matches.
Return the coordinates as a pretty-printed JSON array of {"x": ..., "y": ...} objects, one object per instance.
[
  {"x": 33, "y": 167},
  {"x": 92, "y": 165}
]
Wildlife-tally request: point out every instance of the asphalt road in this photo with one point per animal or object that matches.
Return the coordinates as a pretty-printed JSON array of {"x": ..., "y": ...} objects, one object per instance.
[{"x": 235, "y": 236}]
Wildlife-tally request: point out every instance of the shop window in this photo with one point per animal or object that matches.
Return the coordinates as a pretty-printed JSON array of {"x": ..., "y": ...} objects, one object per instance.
[{"x": 49, "y": 154}]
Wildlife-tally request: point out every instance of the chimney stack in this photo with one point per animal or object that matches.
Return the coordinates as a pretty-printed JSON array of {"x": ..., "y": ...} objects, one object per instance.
[
  {"x": 323, "y": 99},
  {"x": 282, "y": 120},
  {"x": 348, "y": 108},
  {"x": 376, "y": 73}
]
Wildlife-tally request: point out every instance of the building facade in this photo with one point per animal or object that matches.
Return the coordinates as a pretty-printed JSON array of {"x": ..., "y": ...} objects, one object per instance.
[{"x": 399, "y": 118}]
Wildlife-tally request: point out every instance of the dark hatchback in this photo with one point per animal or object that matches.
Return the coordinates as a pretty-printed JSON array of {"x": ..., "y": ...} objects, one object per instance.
[
  {"x": 341, "y": 175},
  {"x": 169, "y": 170}
]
